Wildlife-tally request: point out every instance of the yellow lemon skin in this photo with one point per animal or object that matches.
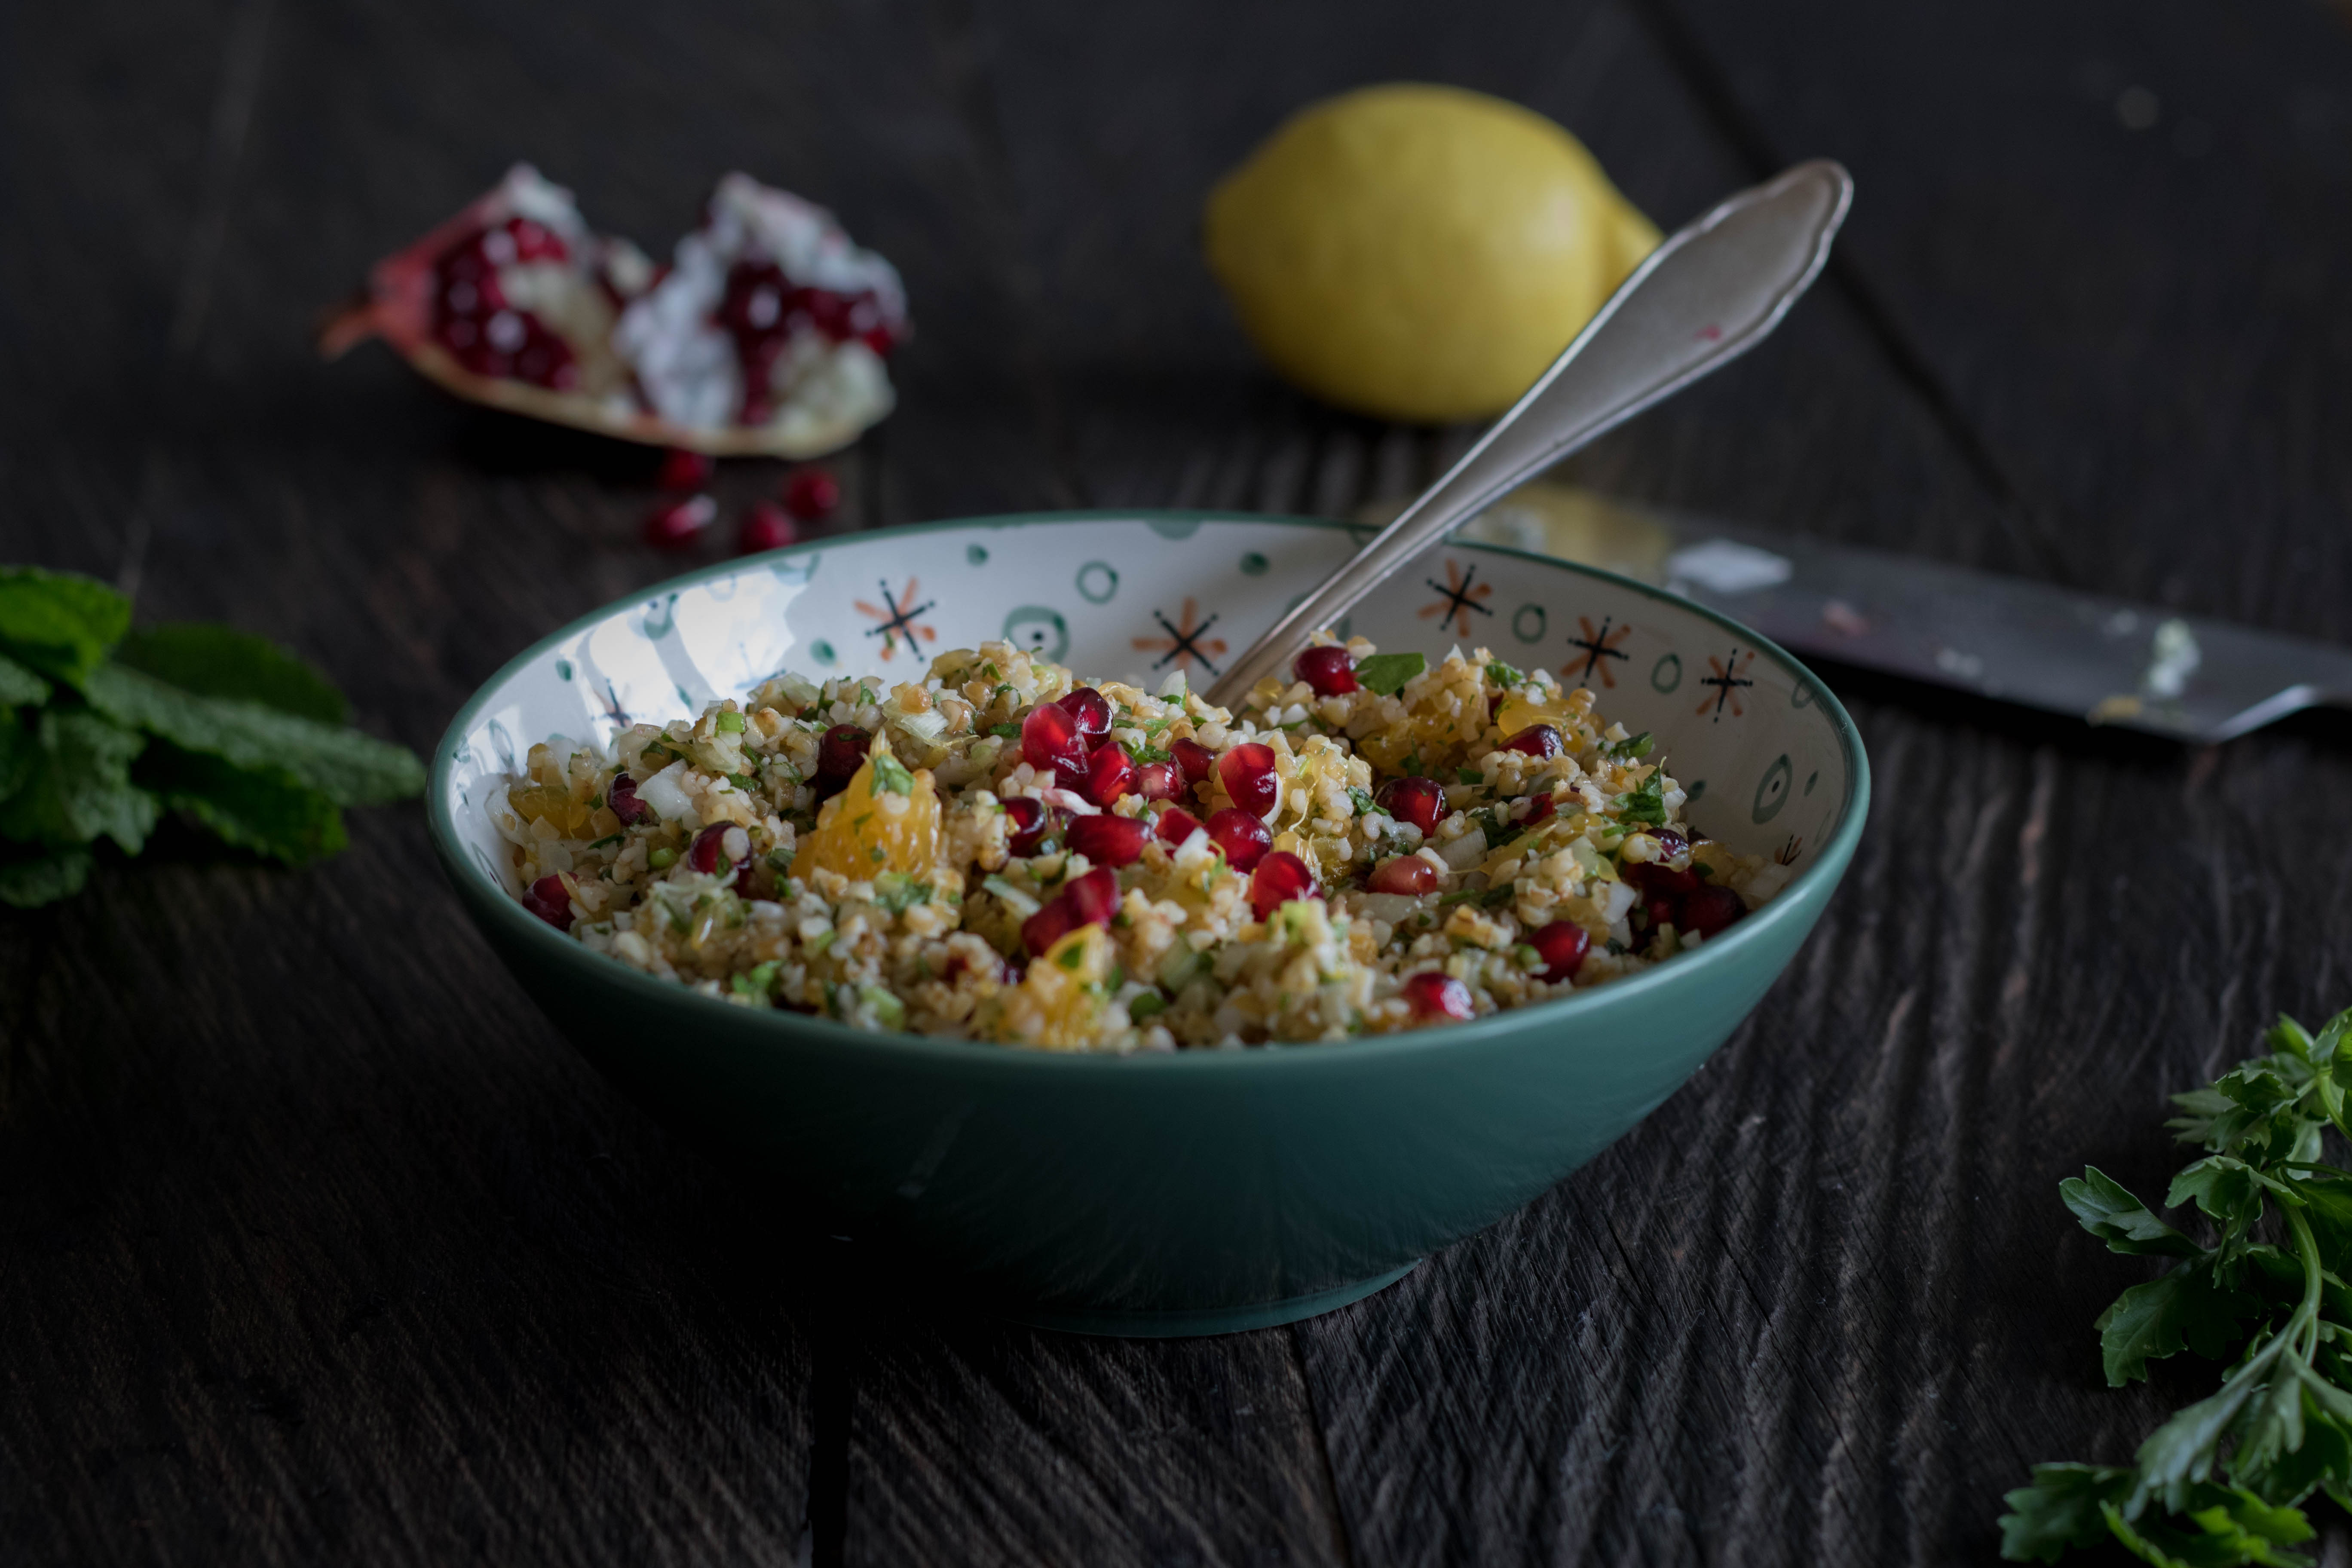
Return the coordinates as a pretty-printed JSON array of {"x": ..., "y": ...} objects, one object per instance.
[{"x": 1419, "y": 253}]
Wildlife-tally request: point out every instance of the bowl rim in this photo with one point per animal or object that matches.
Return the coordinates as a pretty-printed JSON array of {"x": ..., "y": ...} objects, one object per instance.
[{"x": 794, "y": 1028}]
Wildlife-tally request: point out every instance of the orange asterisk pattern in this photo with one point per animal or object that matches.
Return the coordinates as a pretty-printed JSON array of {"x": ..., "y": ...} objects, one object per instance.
[
  {"x": 1185, "y": 641},
  {"x": 1459, "y": 598},
  {"x": 1600, "y": 647},
  {"x": 896, "y": 614},
  {"x": 1727, "y": 681}
]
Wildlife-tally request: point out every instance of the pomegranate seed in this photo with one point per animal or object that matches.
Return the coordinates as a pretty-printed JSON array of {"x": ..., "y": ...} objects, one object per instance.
[
  {"x": 1407, "y": 874},
  {"x": 675, "y": 526},
  {"x": 766, "y": 526},
  {"x": 1050, "y": 738},
  {"x": 683, "y": 470},
  {"x": 1108, "y": 840},
  {"x": 1111, "y": 772},
  {"x": 1661, "y": 910},
  {"x": 1242, "y": 836},
  {"x": 1538, "y": 809},
  {"x": 1709, "y": 910},
  {"x": 1562, "y": 946},
  {"x": 1672, "y": 846},
  {"x": 720, "y": 844},
  {"x": 537, "y": 242},
  {"x": 1030, "y": 820},
  {"x": 1415, "y": 799},
  {"x": 1247, "y": 771},
  {"x": 1092, "y": 711},
  {"x": 839, "y": 755},
  {"x": 1436, "y": 994},
  {"x": 622, "y": 796},
  {"x": 1195, "y": 758},
  {"x": 1280, "y": 878},
  {"x": 1093, "y": 899},
  {"x": 1535, "y": 741},
  {"x": 1176, "y": 825},
  {"x": 1159, "y": 780},
  {"x": 551, "y": 900},
  {"x": 1328, "y": 671},
  {"x": 1662, "y": 881},
  {"x": 1049, "y": 925},
  {"x": 811, "y": 494}
]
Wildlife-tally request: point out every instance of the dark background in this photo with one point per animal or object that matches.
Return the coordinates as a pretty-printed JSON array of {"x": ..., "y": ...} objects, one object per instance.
[{"x": 318, "y": 1246}]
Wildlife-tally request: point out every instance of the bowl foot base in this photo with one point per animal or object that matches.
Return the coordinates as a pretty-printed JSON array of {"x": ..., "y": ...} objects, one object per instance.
[{"x": 1206, "y": 1321}]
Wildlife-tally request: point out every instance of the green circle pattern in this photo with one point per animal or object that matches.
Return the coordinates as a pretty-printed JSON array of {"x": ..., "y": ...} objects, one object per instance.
[
  {"x": 1039, "y": 629},
  {"x": 1104, "y": 581},
  {"x": 1772, "y": 789},
  {"x": 1519, "y": 623},
  {"x": 1667, "y": 673}
]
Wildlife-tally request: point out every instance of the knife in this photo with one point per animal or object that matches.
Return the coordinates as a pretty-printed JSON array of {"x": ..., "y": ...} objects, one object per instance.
[{"x": 2103, "y": 660}]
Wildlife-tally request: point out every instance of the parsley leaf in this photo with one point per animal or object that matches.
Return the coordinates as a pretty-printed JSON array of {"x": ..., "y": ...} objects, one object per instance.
[
  {"x": 1632, "y": 749},
  {"x": 221, "y": 661},
  {"x": 1647, "y": 801},
  {"x": 1503, "y": 675},
  {"x": 1386, "y": 673},
  {"x": 891, "y": 774}
]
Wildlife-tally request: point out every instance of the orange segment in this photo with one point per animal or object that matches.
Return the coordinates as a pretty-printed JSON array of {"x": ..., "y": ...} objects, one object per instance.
[
  {"x": 1060, "y": 1001},
  {"x": 887, "y": 819}
]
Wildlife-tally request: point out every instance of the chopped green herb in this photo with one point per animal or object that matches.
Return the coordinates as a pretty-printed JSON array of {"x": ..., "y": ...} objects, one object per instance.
[
  {"x": 1468, "y": 776},
  {"x": 743, "y": 781},
  {"x": 728, "y": 722},
  {"x": 898, "y": 892},
  {"x": 820, "y": 942},
  {"x": 889, "y": 1011},
  {"x": 1632, "y": 749},
  {"x": 661, "y": 860},
  {"x": 1151, "y": 1004},
  {"x": 865, "y": 698},
  {"x": 1647, "y": 803},
  {"x": 1503, "y": 675},
  {"x": 1362, "y": 801},
  {"x": 1008, "y": 732},
  {"x": 875, "y": 855},
  {"x": 891, "y": 774},
  {"x": 1386, "y": 673},
  {"x": 608, "y": 838},
  {"x": 779, "y": 861},
  {"x": 1072, "y": 956},
  {"x": 1412, "y": 764}
]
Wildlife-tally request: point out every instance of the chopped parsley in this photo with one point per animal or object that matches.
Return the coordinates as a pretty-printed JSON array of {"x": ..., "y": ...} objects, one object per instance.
[
  {"x": 1468, "y": 776},
  {"x": 1646, "y": 804},
  {"x": 1632, "y": 749},
  {"x": 890, "y": 773},
  {"x": 1503, "y": 675},
  {"x": 728, "y": 721},
  {"x": 1362, "y": 801},
  {"x": 1008, "y": 732},
  {"x": 1386, "y": 673}
]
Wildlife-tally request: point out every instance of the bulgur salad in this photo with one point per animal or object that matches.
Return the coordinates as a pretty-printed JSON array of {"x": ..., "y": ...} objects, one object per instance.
[{"x": 998, "y": 852}]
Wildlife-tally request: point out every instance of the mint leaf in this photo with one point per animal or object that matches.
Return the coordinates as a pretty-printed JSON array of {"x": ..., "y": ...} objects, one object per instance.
[
  {"x": 60, "y": 623},
  {"x": 2151, "y": 1321},
  {"x": 78, "y": 786},
  {"x": 347, "y": 767},
  {"x": 1386, "y": 673},
  {"x": 20, "y": 686},
  {"x": 30, "y": 884},
  {"x": 267, "y": 810},
  {"x": 2108, "y": 1209},
  {"x": 18, "y": 742},
  {"x": 2061, "y": 1511},
  {"x": 221, "y": 661}
]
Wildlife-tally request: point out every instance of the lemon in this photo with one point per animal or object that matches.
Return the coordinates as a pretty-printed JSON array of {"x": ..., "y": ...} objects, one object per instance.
[{"x": 1419, "y": 252}]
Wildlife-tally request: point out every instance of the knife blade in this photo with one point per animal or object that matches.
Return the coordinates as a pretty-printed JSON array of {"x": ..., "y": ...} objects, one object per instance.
[{"x": 2101, "y": 659}]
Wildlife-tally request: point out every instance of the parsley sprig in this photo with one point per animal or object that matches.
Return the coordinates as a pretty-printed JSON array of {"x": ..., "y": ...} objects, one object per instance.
[{"x": 2219, "y": 1483}]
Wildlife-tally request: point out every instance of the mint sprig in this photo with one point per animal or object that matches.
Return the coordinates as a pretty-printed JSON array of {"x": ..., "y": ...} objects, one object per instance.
[
  {"x": 104, "y": 729},
  {"x": 2220, "y": 1482}
]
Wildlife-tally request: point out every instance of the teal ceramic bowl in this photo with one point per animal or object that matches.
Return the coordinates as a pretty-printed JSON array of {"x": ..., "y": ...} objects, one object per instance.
[{"x": 1199, "y": 1192}]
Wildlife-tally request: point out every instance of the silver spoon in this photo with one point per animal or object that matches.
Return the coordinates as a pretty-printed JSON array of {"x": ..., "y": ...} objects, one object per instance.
[{"x": 1703, "y": 297}]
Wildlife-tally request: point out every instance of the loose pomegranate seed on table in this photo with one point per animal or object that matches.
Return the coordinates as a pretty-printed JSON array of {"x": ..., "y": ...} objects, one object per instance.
[
  {"x": 812, "y": 494},
  {"x": 551, "y": 900},
  {"x": 1328, "y": 671},
  {"x": 1240, "y": 836},
  {"x": 766, "y": 526},
  {"x": 1108, "y": 840},
  {"x": 1434, "y": 995},
  {"x": 622, "y": 797},
  {"x": 1050, "y": 738},
  {"x": 1247, "y": 772},
  {"x": 1279, "y": 878},
  {"x": 1562, "y": 946},
  {"x": 1092, "y": 711},
  {"x": 1093, "y": 899},
  {"x": 1195, "y": 759},
  {"x": 683, "y": 470},
  {"x": 1535, "y": 741},
  {"x": 1414, "y": 799},
  {"x": 1406, "y": 874},
  {"x": 680, "y": 523},
  {"x": 1111, "y": 772},
  {"x": 1176, "y": 825}
]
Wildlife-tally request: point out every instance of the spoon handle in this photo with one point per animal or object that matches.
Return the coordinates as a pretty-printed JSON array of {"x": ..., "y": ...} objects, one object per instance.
[{"x": 1708, "y": 295}]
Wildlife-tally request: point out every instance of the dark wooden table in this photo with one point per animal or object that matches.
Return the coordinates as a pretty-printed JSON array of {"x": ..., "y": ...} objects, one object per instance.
[{"x": 317, "y": 1245}]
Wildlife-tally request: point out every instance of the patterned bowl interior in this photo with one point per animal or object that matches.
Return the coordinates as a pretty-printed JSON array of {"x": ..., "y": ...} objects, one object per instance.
[{"x": 1132, "y": 597}]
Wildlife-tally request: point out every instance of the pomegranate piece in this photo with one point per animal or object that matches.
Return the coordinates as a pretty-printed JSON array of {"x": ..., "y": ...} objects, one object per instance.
[
  {"x": 1050, "y": 738},
  {"x": 1093, "y": 899},
  {"x": 1242, "y": 836},
  {"x": 1407, "y": 874},
  {"x": 1708, "y": 910},
  {"x": 840, "y": 752},
  {"x": 1108, "y": 840},
  {"x": 722, "y": 844},
  {"x": 1195, "y": 759},
  {"x": 1660, "y": 880},
  {"x": 1031, "y": 819},
  {"x": 620, "y": 795},
  {"x": 684, "y": 470},
  {"x": 1562, "y": 946},
  {"x": 1672, "y": 846},
  {"x": 1176, "y": 825},
  {"x": 680, "y": 523},
  {"x": 1092, "y": 711},
  {"x": 1049, "y": 925},
  {"x": 1111, "y": 772},
  {"x": 1434, "y": 996},
  {"x": 1247, "y": 772},
  {"x": 1538, "y": 809},
  {"x": 1415, "y": 799},
  {"x": 1280, "y": 878},
  {"x": 1535, "y": 741},
  {"x": 1159, "y": 780},
  {"x": 766, "y": 526},
  {"x": 812, "y": 494},
  {"x": 1328, "y": 671},
  {"x": 551, "y": 900}
]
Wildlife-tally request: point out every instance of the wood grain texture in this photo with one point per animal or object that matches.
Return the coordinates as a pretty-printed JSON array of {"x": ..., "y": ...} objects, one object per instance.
[{"x": 318, "y": 1245}]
